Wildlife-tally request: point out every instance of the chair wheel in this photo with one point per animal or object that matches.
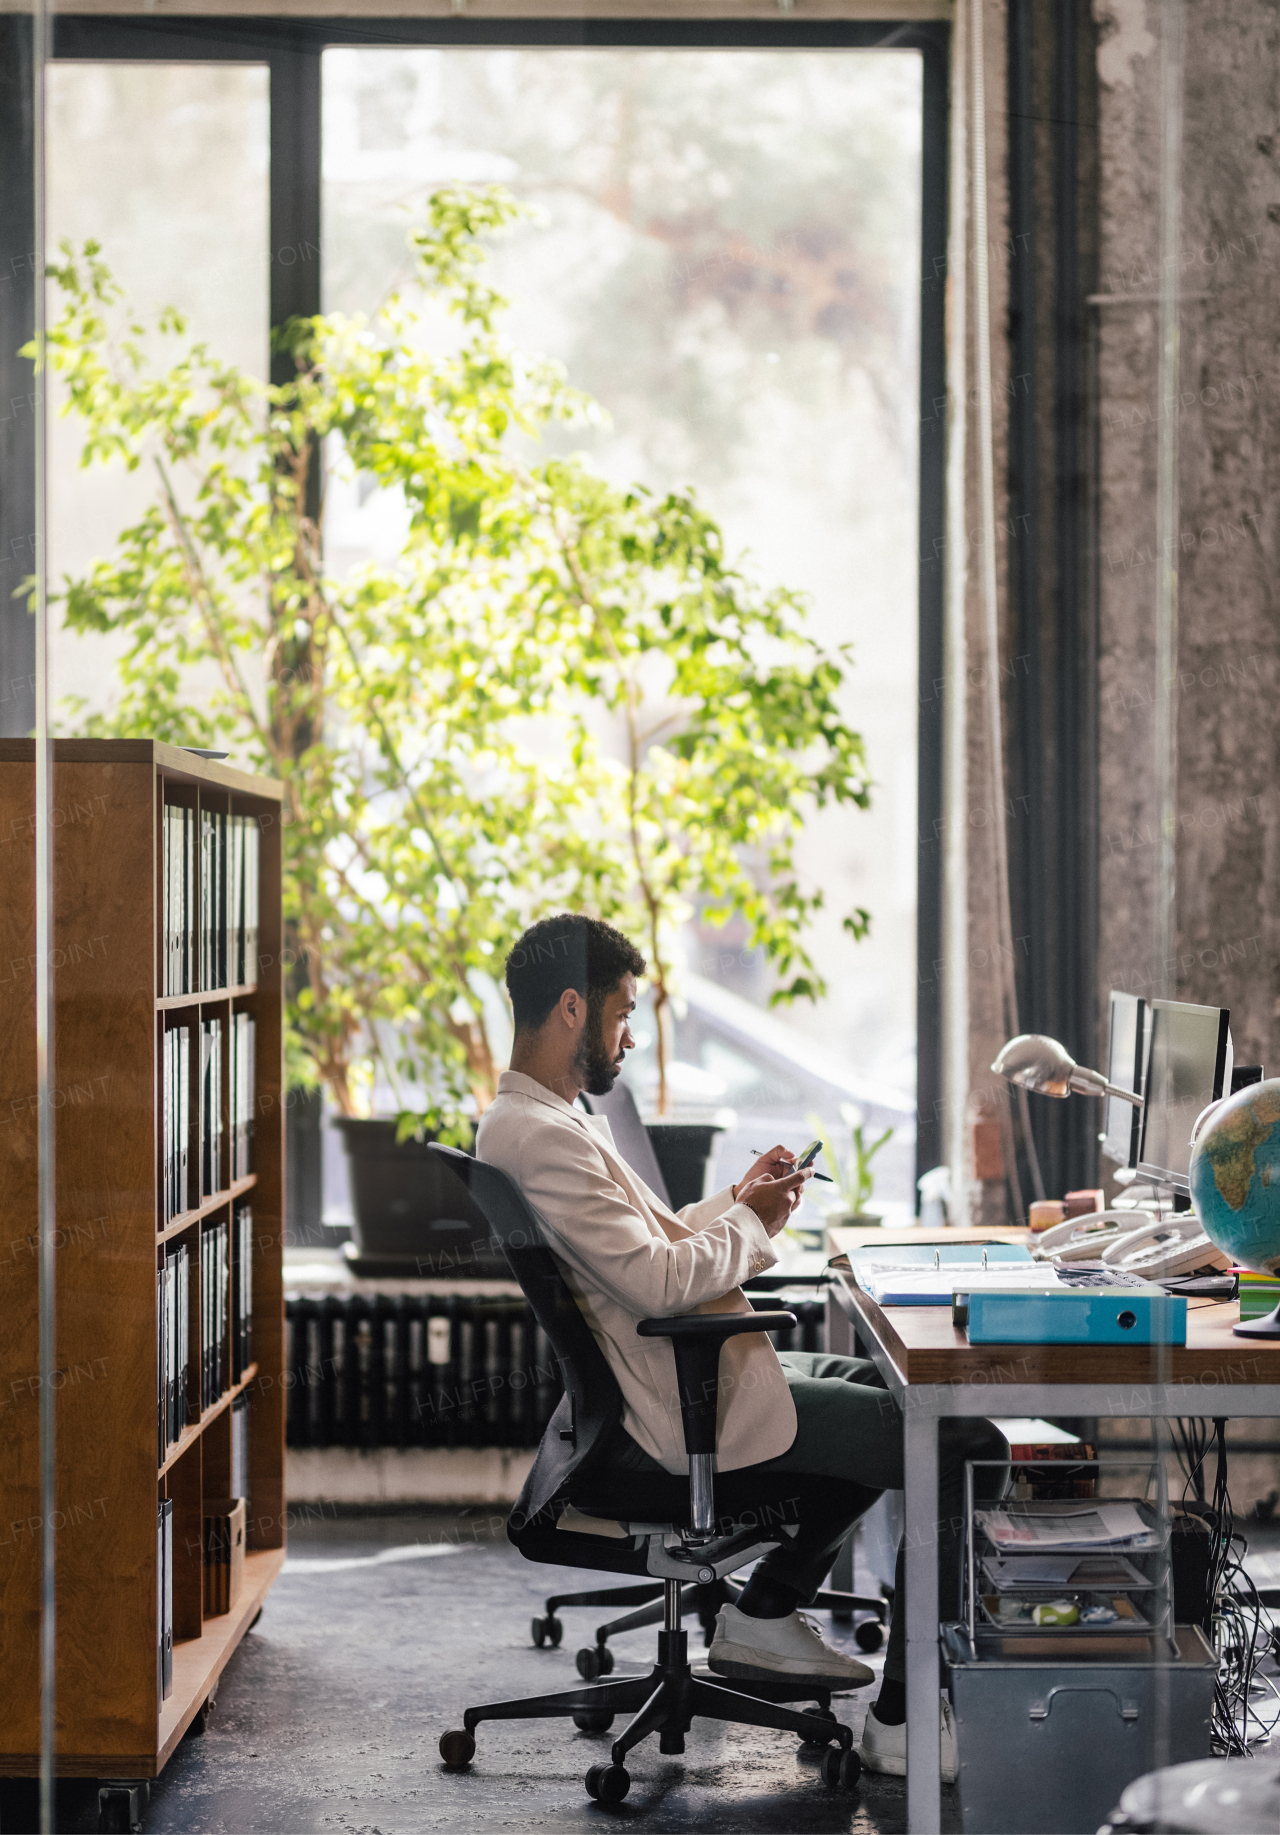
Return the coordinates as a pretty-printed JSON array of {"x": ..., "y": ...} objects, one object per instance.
[
  {"x": 548, "y": 1630},
  {"x": 841, "y": 1769},
  {"x": 592, "y": 1720},
  {"x": 594, "y": 1661},
  {"x": 457, "y": 1749},
  {"x": 608, "y": 1783},
  {"x": 819, "y": 1737},
  {"x": 869, "y": 1635}
]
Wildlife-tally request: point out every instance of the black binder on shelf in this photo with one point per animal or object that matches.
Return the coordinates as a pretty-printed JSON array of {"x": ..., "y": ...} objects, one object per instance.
[
  {"x": 213, "y": 898},
  {"x": 235, "y": 900},
  {"x": 241, "y": 1291},
  {"x": 213, "y": 1311},
  {"x": 176, "y": 1113},
  {"x": 183, "y": 1148},
  {"x": 252, "y": 845},
  {"x": 243, "y": 1032},
  {"x": 164, "y": 1598},
  {"x": 179, "y": 884},
  {"x": 162, "y": 1425},
  {"x": 172, "y": 1347},
  {"x": 220, "y": 1333},
  {"x": 206, "y": 1313},
  {"x": 210, "y": 1107},
  {"x": 240, "y": 1446},
  {"x": 184, "y": 1334}
]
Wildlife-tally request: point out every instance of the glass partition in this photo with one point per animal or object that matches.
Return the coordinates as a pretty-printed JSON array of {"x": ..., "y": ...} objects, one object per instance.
[
  {"x": 217, "y": 796},
  {"x": 158, "y": 1103}
]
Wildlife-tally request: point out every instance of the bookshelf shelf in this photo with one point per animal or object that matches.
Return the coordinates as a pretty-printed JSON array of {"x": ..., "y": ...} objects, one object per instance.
[
  {"x": 211, "y": 997},
  {"x": 128, "y": 1103},
  {"x": 193, "y": 1430},
  {"x": 207, "y": 1207},
  {"x": 198, "y": 1662}
]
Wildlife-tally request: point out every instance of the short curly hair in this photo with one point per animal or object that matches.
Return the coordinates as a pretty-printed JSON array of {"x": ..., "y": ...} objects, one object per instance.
[{"x": 566, "y": 951}]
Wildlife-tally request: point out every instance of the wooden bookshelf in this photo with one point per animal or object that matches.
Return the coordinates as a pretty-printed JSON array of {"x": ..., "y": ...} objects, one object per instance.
[{"x": 110, "y": 1015}]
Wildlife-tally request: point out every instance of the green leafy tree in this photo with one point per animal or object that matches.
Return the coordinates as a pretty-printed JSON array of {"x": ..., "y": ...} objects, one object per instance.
[
  {"x": 421, "y": 835},
  {"x": 731, "y": 727}
]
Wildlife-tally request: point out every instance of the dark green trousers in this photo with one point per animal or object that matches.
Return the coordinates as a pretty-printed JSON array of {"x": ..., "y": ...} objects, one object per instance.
[{"x": 850, "y": 1428}]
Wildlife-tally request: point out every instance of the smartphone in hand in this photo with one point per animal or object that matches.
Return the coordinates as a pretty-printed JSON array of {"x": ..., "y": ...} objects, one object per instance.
[{"x": 809, "y": 1155}]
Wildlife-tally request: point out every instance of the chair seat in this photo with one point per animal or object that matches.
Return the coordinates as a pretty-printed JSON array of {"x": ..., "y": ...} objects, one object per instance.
[{"x": 573, "y": 1533}]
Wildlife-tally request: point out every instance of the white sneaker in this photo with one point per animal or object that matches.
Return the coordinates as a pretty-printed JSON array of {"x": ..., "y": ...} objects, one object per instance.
[
  {"x": 885, "y": 1748},
  {"x": 753, "y": 1649}
]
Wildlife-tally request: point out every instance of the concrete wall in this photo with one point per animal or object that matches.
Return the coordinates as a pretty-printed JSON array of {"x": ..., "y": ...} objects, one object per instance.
[
  {"x": 1221, "y": 944},
  {"x": 1227, "y": 814}
]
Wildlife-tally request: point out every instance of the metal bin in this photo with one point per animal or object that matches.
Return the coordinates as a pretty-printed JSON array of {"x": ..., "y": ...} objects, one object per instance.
[{"x": 1051, "y": 1731}]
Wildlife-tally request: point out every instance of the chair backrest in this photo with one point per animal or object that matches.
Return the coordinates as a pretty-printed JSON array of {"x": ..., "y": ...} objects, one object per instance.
[
  {"x": 591, "y": 1390},
  {"x": 630, "y": 1136}
]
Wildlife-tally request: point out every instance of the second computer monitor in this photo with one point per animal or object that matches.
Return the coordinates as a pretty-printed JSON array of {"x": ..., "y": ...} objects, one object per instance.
[
  {"x": 1188, "y": 1067},
  {"x": 1121, "y": 1134}
]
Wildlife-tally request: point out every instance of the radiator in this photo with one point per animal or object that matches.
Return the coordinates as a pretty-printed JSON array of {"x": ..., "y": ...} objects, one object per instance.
[{"x": 437, "y": 1370}]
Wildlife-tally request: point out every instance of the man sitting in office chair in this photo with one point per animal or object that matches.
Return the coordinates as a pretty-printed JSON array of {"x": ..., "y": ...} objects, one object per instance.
[{"x": 626, "y": 1256}]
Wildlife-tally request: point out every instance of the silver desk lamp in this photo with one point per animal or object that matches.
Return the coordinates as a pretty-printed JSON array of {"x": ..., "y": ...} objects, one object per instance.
[{"x": 1043, "y": 1065}]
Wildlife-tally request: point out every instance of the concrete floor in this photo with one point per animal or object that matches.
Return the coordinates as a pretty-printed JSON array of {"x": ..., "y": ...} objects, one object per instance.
[{"x": 328, "y": 1715}]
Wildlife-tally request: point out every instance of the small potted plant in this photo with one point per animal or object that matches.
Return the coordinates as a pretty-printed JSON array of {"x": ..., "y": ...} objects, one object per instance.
[{"x": 852, "y": 1179}]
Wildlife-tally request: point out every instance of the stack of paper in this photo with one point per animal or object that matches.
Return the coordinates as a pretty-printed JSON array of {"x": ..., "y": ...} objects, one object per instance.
[
  {"x": 1060, "y": 1571},
  {"x": 1093, "y": 1525}
]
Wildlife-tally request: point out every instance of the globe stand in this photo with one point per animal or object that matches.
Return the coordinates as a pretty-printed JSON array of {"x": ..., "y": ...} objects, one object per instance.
[{"x": 1268, "y": 1326}]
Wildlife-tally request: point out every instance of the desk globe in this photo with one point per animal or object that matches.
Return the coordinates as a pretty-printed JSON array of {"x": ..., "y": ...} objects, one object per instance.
[{"x": 1235, "y": 1185}]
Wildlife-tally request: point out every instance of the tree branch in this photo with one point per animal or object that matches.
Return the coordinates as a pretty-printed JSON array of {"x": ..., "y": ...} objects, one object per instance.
[{"x": 202, "y": 597}]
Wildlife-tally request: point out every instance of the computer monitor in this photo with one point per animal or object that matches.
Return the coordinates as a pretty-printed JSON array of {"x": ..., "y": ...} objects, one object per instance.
[
  {"x": 1188, "y": 1067},
  {"x": 1121, "y": 1135}
]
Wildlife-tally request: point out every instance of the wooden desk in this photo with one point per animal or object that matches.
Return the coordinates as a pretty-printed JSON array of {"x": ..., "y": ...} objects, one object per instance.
[
  {"x": 924, "y": 1347},
  {"x": 932, "y": 1370}
]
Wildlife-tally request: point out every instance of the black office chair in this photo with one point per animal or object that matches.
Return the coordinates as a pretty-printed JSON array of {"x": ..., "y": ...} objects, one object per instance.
[
  {"x": 630, "y": 1136},
  {"x": 663, "y": 1527},
  {"x": 596, "y": 1659}
]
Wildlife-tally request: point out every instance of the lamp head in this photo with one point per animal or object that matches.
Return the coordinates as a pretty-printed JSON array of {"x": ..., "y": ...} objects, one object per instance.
[{"x": 1037, "y": 1063}]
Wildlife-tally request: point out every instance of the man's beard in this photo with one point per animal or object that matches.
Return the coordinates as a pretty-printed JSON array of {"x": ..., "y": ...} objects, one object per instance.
[{"x": 592, "y": 1064}]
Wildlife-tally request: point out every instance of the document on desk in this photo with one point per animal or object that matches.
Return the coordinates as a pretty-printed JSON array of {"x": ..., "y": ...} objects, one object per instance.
[
  {"x": 913, "y": 1285},
  {"x": 1093, "y": 1525}
]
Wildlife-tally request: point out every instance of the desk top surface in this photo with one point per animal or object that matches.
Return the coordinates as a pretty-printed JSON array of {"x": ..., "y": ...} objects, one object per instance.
[{"x": 927, "y": 1348}]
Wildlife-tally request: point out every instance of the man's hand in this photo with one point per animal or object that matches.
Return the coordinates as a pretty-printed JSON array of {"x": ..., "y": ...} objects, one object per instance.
[
  {"x": 772, "y": 1165},
  {"x": 773, "y": 1199}
]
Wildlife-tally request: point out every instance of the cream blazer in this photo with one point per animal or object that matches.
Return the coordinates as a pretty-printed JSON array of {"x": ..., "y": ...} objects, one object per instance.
[{"x": 627, "y": 1257}]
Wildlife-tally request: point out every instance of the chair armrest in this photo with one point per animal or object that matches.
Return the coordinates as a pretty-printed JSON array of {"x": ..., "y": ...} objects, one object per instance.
[
  {"x": 716, "y": 1325},
  {"x": 696, "y": 1339}
]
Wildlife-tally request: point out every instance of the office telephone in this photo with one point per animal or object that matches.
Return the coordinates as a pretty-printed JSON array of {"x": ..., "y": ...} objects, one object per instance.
[
  {"x": 1135, "y": 1242},
  {"x": 1082, "y": 1239}
]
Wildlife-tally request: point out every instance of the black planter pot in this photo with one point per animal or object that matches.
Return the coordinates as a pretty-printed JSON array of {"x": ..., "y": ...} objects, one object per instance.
[
  {"x": 411, "y": 1215},
  {"x": 683, "y": 1149}
]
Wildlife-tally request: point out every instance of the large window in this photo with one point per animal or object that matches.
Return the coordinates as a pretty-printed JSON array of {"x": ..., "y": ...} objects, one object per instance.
[{"x": 724, "y": 252}]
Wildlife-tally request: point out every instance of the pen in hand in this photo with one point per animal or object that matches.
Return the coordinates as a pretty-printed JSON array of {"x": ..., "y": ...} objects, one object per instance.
[{"x": 826, "y": 1177}]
